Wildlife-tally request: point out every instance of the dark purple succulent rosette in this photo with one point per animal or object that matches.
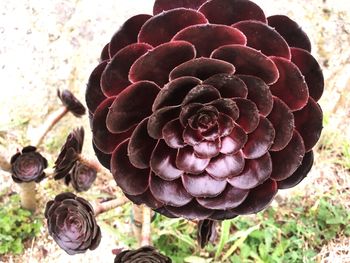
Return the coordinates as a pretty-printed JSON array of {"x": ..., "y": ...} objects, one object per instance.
[
  {"x": 207, "y": 108},
  {"x": 69, "y": 153},
  {"x": 71, "y": 223},
  {"x": 144, "y": 254},
  {"x": 81, "y": 177},
  {"x": 71, "y": 103},
  {"x": 28, "y": 165}
]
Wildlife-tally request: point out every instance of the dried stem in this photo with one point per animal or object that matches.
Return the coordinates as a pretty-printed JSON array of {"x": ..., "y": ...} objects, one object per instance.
[
  {"x": 146, "y": 226},
  {"x": 91, "y": 162},
  {"x": 28, "y": 195},
  {"x": 109, "y": 205},
  {"x": 4, "y": 164},
  {"x": 48, "y": 125},
  {"x": 137, "y": 224}
]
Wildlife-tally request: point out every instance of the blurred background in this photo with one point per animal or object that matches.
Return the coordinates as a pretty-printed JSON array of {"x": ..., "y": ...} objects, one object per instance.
[{"x": 50, "y": 45}]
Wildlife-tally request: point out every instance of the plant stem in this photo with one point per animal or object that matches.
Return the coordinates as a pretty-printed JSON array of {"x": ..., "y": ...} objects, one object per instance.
[
  {"x": 137, "y": 224},
  {"x": 146, "y": 226},
  {"x": 91, "y": 162},
  {"x": 4, "y": 164},
  {"x": 28, "y": 195},
  {"x": 48, "y": 125},
  {"x": 109, "y": 205}
]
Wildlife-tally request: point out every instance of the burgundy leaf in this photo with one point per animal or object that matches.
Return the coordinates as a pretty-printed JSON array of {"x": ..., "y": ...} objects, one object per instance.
[
  {"x": 299, "y": 174},
  {"x": 229, "y": 86},
  {"x": 191, "y": 136},
  {"x": 104, "y": 140},
  {"x": 287, "y": 161},
  {"x": 93, "y": 94},
  {"x": 228, "y": 12},
  {"x": 172, "y": 134},
  {"x": 228, "y": 199},
  {"x": 259, "y": 93},
  {"x": 226, "y": 124},
  {"x": 248, "y": 115},
  {"x": 208, "y": 37},
  {"x": 115, "y": 77},
  {"x": 174, "y": 92},
  {"x": 202, "y": 68},
  {"x": 191, "y": 211},
  {"x": 207, "y": 149},
  {"x": 202, "y": 185},
  {"x": 282, "y": 120},
  {"x": 258, "y": 198},
  {"x": 169, "y": 192},
  {"x": 262, "y": 37},
  {"x": 226, "y": 165},
  {"x": 130, "y": 179},
  {"x": 291, "y": 86},
  {"x": 260, "y": 140},
  {"x": 308, "y": 122},
  {"x": 127, "y": 34},
  {"x": 248, "y": 61},
  {"x": 157, "y": 63},
  {"x": 103, "y": 158},
  {"x": 227, "y": 107},
  {"x": 187, "y": 161},
  {"x": 311, "y": 70},
  {"x": 129, "y": 108},
  {"x": 140, "y": 146},
  {"x": 164, "y": 5},
  {"x": 188, "y": 111},
  {"x": 201, "y": 94},
  {"x": 105, "y": 53},
  {"x": 162, "y": 27},
  {"x": 223, "y": 215},
  {"x": 163, "y": 162},
  {"x": 145, "y": 198},
  {"x": 290, "y": 31},
  {"x": 255, "y": 172},
  {"x": 160, "y": 118},
  {"x": 234, "y": 142}
]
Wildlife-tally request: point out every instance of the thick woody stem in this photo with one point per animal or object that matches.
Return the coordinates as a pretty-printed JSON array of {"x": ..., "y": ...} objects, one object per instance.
[
  {"x": 109, "y": 205},
  {"x": 4, "y": 164},
  {"x": 137, "y": 225},
  {"x": 88, "y": 161},
  {"x": 28, "y": 195},
  {"x": 48, "y": 125},
  {"x": 146, "y": 227}
]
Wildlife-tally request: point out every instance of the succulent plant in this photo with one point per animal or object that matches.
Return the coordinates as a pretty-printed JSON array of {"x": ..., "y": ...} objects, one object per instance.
[
  {"x": 81, "y": 177},
  {"x": 146, "y": 254},
  {"x": 71, "y": 223},
  {"x": 28, "y": 165},
  {"x": 69, "y": 154},
  {"x": 205, "y": 109},
  {"x": 72, "y": 104}
]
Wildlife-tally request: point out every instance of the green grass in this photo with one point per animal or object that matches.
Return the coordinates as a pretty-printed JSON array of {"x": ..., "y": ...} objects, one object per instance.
[
  {"x": 17, "y": 225},
  {"x": 295, "y": 232}
]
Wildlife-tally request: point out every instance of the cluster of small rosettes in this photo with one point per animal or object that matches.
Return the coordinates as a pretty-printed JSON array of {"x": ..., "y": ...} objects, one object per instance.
[{"x": 207, "y": 108}]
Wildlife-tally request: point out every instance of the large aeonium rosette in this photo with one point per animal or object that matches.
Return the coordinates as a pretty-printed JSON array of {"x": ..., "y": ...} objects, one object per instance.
[{"x": 206, "y": 108}]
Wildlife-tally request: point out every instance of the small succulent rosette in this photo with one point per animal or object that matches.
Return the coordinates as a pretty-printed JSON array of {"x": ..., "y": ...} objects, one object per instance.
[
  {"x": 71, "y": 103},
  {"x": 205, "y": 109},
  {"x": 69, "y": 154},
  {"x": 71, "y": 223},
  {"x": 144, "y": 254},
  {"x": 28, "y": 165},
  {"x": 81, "y": 177}
]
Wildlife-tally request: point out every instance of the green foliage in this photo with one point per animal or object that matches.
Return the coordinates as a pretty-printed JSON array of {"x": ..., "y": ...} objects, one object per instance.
[
  {"x": 294, "y": 233},
  {"x": 16, "y": 226}
]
